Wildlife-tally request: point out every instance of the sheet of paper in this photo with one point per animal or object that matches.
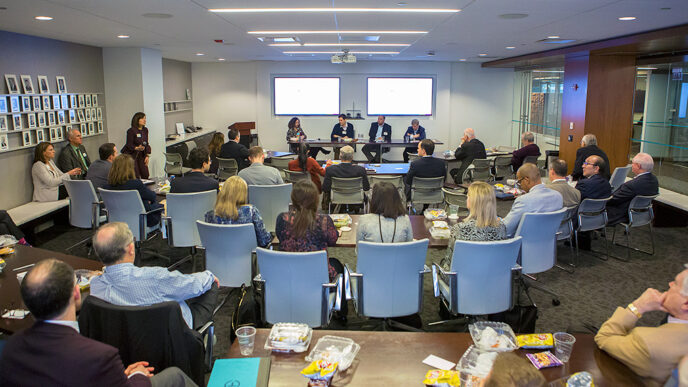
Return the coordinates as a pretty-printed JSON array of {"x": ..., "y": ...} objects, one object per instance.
[{"x": 438, "y": 362}]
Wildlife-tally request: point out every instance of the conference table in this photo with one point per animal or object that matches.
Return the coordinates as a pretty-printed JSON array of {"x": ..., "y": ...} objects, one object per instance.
[
  {"x": 356, "y": 141},
  {"x": 23, "y": 259},
  {"x": 379, "y": 169},
  {"x": 395, "y": 359},
  {"x": 270, "y": 154}
]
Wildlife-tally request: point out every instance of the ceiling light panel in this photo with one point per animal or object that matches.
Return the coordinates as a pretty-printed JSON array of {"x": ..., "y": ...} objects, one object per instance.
[
  {"x": 333, "y": 10},
  {"x": 339, "y": 45},
  {"x": 341, "y": 52},
  {"x": 335, "y": 32}
]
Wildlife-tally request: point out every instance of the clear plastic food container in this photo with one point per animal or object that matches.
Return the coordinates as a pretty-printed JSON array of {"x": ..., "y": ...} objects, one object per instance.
[
  {"x": 335, "y": 349},
  {"x": 493, "y": 336},
  {"x": 435, "y": 214},
  {"x": 289, "y": 337},
  {"x": 474, "y": 366}
]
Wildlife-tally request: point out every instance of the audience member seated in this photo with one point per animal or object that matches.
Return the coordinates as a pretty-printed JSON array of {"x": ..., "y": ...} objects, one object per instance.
[
  {"x": 587, "y": 149},
  {"x": 345, "y": 170},
  {"x": 557, "y": 182},
  {"x": 414, "y": 133},
  {"x": 511, "y": 370},
  {"x": 529, "y": 149},
  {"x": 196, "y": 180},
  {"x": 644, "y": 183},
  {"x": 122, "y": 177},
  {"x": 231, "y": 208},
  {"x": 100, "y": 169},
  {"x": 651, "y": 352},
  {"x": 426, "y": 166},
  {"x": 124, "y": 284},
  {"x": 304, "y": 163},
  {"x": 53, "y": 353},
  {"x": 8, "y": 227},
  {"x": 379, "y": 132},
  {"x": 537, "y": 198},
  {"x": 482, "y": 223},
  {"x": 233, "y": 150},
  {"x": 340, "y": 132},
  {"x": 387, "y": 221},
  {"x": 471, "y": 148},
  {"x": 257, "y": 173},
  {"x": 593, "y": 185},
  {"x": 74, "y": 155},
  {"x": 214, "y": 150},
  {"x": 46, "y": 177}
]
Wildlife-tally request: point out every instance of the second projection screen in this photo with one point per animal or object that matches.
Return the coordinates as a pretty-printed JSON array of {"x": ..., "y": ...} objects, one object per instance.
[{"x": 400, "y": 96}]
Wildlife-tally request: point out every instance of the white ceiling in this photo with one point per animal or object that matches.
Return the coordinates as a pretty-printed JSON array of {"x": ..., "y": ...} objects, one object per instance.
[{"x": 476, "y": 29}]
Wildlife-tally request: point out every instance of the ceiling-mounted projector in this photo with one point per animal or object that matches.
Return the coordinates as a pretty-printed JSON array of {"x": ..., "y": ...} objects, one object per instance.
[{"x": 343, "y": 58}]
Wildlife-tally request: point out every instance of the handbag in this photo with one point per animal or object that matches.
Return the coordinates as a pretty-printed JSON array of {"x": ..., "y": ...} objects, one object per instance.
[
  {"x": 248, "y": 312},
  {"x": 521, "y": 318}
]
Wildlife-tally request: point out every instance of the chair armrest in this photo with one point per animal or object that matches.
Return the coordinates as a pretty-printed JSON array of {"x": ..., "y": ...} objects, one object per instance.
[
  {"x": 205, "y": 327},
  {"x": 421, "y": 274},
  {"x": 326, "y": 310},
  {"x": 143, "y": 222},
  {"x": 353, "y": 290},
  {"x": 451, "y": 278},
  {"x": 95, "y": 214},
  {"x": 168, "y": 225}
]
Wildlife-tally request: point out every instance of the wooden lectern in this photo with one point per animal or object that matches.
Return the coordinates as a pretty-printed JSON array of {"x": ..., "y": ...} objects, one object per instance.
[{"x": 244, "y": 128}]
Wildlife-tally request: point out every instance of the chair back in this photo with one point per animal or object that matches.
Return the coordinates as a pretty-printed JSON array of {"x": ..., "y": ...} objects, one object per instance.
[
  {"x": 640, "y": 210},
  {"x": 226, "y": 168},
  {"x": 281, "y": 162},
  {"x": 427, "y": 190},
  {"x": 294, "y": 176},
  {"x": 483, "y": 275},
  {"x": 396, "y": 180},
  {"x": 347, "y": 190},
  {"x": 183, "y": 210},
  {"x": 531, "y": 159},
  {"x": 566, "y": 226},
  {"x": 413, "y": 157},
  {"x": 454, "y": 197},
  {"x": 481, "y": 170},
  {"x": 503, "y": 167},
  {"x": 157, "y": 334},
  {"x": 190, "y": 145},
  {"x": 619, "y": 177},
  {"x": 84, "y": 210},
  {"x": 392, "y": 281},
  {"x": 173, "y": 164},
  {"x": 592, "y": 214},
  {"x": 293, "y": 285},
  {"x": 539, "y": 240},
  {"x": 270, "y": 200},
  {"x": 124, "y": 206},
  {"x": 228, "y": 249}
]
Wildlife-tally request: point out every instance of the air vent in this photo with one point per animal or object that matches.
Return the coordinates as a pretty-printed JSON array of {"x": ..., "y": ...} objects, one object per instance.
[{"x": 556, "y": 41}]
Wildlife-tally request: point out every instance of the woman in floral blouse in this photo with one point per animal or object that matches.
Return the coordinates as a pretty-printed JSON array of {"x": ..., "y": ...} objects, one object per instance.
[{"x": 231, "y": 208}]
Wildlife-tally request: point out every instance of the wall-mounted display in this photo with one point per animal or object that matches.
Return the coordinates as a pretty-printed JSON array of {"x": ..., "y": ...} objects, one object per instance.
[
  {"x": 36, "y": 103},
  {"x": 56, "y": 102},
  {"x": 17, "y": 122},
  {"x": 43, "y": 86},
  {"x": 26, "y": 139},
  {"x": 61, "y": 84},
  {"x": 4, "y": 145},
  {"x": 27, "y": 83},
  {"x": 14, "y": 104},
  {"x": 51, "y": 118},
  {"x": 61, "y": 117},
  {"x": 41, "y": 119},
  {"x": 26, "y": 104},
  {"x": 12, "y": 85},
  {"x": 46, "y": 102},
  {"x": 32, "y": 120},
  {"x": 88, "y": 100},
  {"x": 40, "y": 135},
  {"x": 3, "y": 105},
  {"x": 3, "y": 123}
]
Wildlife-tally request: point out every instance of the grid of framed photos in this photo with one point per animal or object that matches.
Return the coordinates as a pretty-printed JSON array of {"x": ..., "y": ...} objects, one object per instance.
[{"x": 45, "y": 117}]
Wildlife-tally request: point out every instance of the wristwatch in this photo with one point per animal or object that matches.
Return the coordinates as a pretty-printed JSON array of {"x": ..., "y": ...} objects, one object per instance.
[{"x": 634, "y": 310}]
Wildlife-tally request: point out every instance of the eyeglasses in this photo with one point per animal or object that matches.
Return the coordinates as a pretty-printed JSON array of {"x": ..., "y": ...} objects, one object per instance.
[{"x": 587, "y": 163}]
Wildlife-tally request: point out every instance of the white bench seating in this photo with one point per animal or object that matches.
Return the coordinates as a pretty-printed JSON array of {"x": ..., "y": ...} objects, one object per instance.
[{"x": 34, "y": 210}]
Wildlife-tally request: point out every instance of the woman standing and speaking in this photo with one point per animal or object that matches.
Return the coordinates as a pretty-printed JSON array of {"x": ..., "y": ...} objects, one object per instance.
[{"x": 137, "y": 145}]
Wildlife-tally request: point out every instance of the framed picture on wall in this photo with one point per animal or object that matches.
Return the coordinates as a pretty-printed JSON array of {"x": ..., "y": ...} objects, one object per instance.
[
  {"x": 27, "y": 83},
  {"x": 61, "y": 84},
  {"x": 51, "y": 118},
  {"x": 26, "y": 139},
  {"x": 87, "y": 98},
  {"x": 87, "y": 113},
  {"x": 40, "y": 118},
  {"x": 3, "y": 123},
  {"x": 12, "y": 85},
  {"x": 99, "y": 114},
  {"x": 3, "y": 105},
  {"x": 93, "y": 114},
  {"x": 72, "y": 116},
  {"x": 94, "y": 99},
  {"x": 40, "y": 135},
  {"x": 72, "y": 101},
  {"x": 58, "y": 132},
  {"x": 46, "y": 102},
  {"x": 64, "y": 101},
  {"x": 100, "y": 126},
  {"x": 81, "y": 100},
  {"x": 56, "y": 102},
  {"x": 83, "y": 129},
  {"x": 43, "y": 86},
  {"x": 91, "y": 128},
  {"x": 80, "y": 114},
  {"x": 17, "y": 122},
  {"x": 31, "y": 118},
  {"x": 4, "y": 145},
  {"x": 26, "y": 104},
  {"x": 36, "y": 103},
  {"x": 61, "y": 117},
  {"x": 14, "y": 104},
  {"x": 53, "y": 135}
]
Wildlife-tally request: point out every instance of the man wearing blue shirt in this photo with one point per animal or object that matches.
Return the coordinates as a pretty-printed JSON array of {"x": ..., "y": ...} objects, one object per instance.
[
  {"x": 340, "y": 132},
  {"x": 414, "y": 133},
  {"x": 379, "y": 132}
]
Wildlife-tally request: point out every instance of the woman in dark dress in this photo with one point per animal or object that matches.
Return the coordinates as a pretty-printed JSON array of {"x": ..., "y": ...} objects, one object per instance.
[
  {"x": 122, "y": 177},
  {"x": 137, "y": 145}
]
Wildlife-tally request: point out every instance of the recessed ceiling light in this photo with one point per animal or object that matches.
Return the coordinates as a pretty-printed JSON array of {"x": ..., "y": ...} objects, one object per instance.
[
  {"x": 548, "y": 71},
  {"x": 340, "y": 52},
  {"x": 482, "y": 54},
  {"x": 326, "y": 32},
  {"x": 221, "y": 59},
  {"x": 402, "y": 4},
  {"x": 510, "y": 47},
  {"x": 123, "y": 36},
  {"x": 199, "y": 54},
  {"x": 553, "y": 37},
  {"x": 340, "y": 44},
  {"x": 43, "y": 18},
  {"x": 647, "y": 68},
  {"x": 627, "y": 18},
  {"x": 334, "y": 10},
  {"x": 462, "y": 60},
  {"x": 154, "y": 15},
  {"x": 513, "y": 15}
]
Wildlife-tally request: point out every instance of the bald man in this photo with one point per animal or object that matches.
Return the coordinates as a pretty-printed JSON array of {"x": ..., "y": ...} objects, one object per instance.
[
  {"x": 593, "y": 185},
  {"x": 537, "y": 199},
  {"x": 471, "y": 148}
]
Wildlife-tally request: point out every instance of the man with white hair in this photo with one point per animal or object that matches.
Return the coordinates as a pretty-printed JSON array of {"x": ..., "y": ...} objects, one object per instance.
[
  {"x": 345, "y": 170},
  {"x": 587, "y": 149},
  {"x": 471, "y": 148},
  {"x": 74, "y": 155},
  {"x": 529, "y": 148},
  {"x": 644, "y": 183},
  {"x": 651, "y": 352}
]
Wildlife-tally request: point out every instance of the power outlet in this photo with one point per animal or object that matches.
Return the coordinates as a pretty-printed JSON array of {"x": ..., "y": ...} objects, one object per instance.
[
  {"x": 571, "y": 125},
  {"x": 570, "y": 138}
]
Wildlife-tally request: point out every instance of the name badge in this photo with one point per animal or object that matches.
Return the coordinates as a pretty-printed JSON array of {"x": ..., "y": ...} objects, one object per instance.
[
  {"x": 145, "y": 143},
  {"x": 138, "y": 135},
  {"x": 385, "y": 133},
  {"x": 84, "y": 155}
]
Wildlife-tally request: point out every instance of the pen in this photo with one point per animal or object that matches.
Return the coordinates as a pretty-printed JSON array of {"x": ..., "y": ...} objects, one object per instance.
[{"x": 24, "y": 267}]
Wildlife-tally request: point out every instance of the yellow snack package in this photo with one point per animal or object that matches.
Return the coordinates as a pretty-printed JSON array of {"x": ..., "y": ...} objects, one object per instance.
[
  {"x": 442, "y": 378},
  {"x": 535, "y": 340},
  {"x": 320, "y": 372}
]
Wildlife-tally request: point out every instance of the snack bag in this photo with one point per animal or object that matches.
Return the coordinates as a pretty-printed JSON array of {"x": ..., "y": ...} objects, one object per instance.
[
  {"x": 442, "y": 378},
  {"x": 536, "y": 340},
  {"x": 544, "y": 359},
  {"x": 320, "y": 373}
]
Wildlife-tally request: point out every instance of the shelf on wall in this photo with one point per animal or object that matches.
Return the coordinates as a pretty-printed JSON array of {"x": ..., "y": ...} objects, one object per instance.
[
  {"x": 180, "y": 101},
  {"x": 178, "y": 110}
]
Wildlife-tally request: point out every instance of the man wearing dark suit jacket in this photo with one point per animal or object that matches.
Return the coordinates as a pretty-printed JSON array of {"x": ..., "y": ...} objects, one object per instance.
[
  {"x": 471, "y": 148},
  {"x": 52, "y": 352},
  {"x": 233, "y": 150},
  {"x": 345, "y": 169},
  {"x": 426, "y": 166},
  {"x": 644, "y": 183},
  {"x": 340, "y": 132},
  {"x": 195, "y": 181},
  {"x": 413, "y": 133},
  {"x": 589, "y": 148},
  {"x": 593, "y": 185},
  {"x": 100, "y": 169},
  {"x": 379, "y": 132},
  {"x": 74, "y": 155}
]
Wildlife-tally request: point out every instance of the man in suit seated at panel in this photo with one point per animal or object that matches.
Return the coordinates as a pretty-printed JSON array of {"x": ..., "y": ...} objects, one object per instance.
[
  {"x": 644, "y": 183},
  {"x": 52, "y": 352},
  {"x": 587, "y": 149},
  {"x": 557, "y": 182},
  {"x": 100, "y": 169},
  {"x": 426, "y": 166},
  {"x": 258, "y": 173},
  {"x": 651, "y": 352},
  {"x": 340, "y": 132},
  {"x": 593, "y": 185},
  {"x": 196, "y": 180},
  {"x": 379, "y": 132},
  {"x": 233, "y": 150},
  {"x": 124, "y": 284},
  {"x": 345, "y": 169},
  {"x": 471, "y": 148},
  {"x": 414, "y": 133},
  {"x": 537, "y": 199},
  {"x": 529, "y": 148},
  {"x": 74, "y": 155}
]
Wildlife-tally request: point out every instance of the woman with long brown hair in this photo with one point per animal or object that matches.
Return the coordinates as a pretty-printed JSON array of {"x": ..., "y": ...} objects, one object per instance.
[
  {"x": 308, "y": 164},
  {"x": 137, "y": 145},
  {"x": 387, "y": 221},
  {"x": 47, "y": 178},
  {"x": 214, "y": 151},
  {"x": 123, "y": 177}
]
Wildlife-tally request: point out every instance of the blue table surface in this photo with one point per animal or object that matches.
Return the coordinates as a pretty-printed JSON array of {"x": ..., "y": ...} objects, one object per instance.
[
  {"x": 383, "y": 169},
  {"x": 278, "y": 154}
]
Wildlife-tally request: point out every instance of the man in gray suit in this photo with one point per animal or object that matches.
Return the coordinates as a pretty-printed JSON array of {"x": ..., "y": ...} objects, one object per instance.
[
  {"x": 74, "y": 155},
  {"x": 537, "y": 199},
  {"x": 257, "y": 173},
  {"x": 557, "y": 182}
]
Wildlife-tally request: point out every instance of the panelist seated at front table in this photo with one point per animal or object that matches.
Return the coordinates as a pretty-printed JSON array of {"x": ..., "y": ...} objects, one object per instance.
[
  {"x": 414, "y": 133},
  {"x": 379, "y": 132},
  {"x": 296, "y": 133},
  {"x": 340, "y": 132}
]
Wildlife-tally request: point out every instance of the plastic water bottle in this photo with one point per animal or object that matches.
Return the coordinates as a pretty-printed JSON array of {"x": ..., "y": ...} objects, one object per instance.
[{"x": 580, "y": 379}]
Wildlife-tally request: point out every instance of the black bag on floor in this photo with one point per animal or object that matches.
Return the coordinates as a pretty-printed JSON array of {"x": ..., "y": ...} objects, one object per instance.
[
  {"x": 521, "y": 318},
  {"x": 248, "y": 311}
]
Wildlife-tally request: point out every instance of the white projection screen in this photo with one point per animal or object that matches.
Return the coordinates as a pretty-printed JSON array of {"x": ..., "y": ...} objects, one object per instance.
[
  {"x": 400, "y": 96},
  {"x": 306, "y": 96}
]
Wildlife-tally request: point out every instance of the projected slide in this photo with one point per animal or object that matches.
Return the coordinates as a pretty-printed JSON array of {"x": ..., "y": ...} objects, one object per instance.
[
  {"x": 306, "y": 96},
  {"x": 400, "y": 96}
]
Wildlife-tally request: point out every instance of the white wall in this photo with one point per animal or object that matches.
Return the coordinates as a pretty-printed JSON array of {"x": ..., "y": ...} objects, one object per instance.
[
  {"x": 151, "y": 71},
  {"x": 466, "y": 96}
]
